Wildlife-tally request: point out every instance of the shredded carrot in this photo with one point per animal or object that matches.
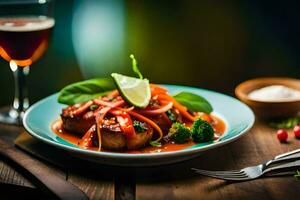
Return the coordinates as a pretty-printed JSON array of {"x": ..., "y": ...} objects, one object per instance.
[
  {"x": 125, "y": 122},
  {"x": 155, "y": 89},
  {"x": 113, "y": 94},
  {"x": 86, "y": 140},
  {"x": 99, "y": 118},
  {"x": 148, "y": 121},
  {"x": 158, "y": 111},
  {"x": 204, "y": 116},
  {"x": 82, "y": 108},
  {"x": 164, "y": 101},
  {"x": 125, "y": 109},
  {"x": 109, "y": 104},
  {"x": 182, "y": 109}
]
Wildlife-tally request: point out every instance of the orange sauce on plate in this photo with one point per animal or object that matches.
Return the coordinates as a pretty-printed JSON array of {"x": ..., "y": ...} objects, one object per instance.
[{"x": 218, "y": 125}]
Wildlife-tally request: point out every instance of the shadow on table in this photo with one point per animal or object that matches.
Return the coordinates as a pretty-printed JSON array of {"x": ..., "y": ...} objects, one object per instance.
[{"x": 10, "y": 191}]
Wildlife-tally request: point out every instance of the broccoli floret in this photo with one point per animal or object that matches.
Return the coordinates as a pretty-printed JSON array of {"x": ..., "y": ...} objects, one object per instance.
[
  {"x": 202, "y": 131},
  {"x": 179, "y": 133}
]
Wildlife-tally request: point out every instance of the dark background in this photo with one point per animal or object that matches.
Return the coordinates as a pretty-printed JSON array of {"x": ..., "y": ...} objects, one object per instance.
[{"x": 207, "y": 44}]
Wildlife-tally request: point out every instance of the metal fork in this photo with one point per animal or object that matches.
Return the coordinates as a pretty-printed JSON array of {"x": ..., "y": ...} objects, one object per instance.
[{"x": 254, "y": 172}]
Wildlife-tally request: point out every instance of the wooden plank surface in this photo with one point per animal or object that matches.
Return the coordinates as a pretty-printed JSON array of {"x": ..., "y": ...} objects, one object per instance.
[
  {"x": 79, "y": 173},
  {"x": 125, "y": 187},
  {"x": 12, "y": 184},
  {"x": 10, "y": 176},
  {"x": 7, "y": 173},
  {"x": 93, "y": 186},
  {"x": 178, "y": 182}
]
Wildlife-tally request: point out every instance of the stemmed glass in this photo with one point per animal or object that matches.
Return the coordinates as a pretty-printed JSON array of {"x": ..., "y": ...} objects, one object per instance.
[{"x": 25, "y": 29}]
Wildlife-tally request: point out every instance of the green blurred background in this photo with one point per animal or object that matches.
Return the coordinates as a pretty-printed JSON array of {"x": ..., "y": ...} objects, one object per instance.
[{"x": 207, "y": 44}]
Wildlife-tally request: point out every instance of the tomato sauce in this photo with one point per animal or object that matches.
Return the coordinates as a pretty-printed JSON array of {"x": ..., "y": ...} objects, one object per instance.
[{"x": 218, "y": 125}]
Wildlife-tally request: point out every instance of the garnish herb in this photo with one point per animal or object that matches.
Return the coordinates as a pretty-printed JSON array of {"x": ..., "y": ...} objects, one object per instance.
[
  {"x": 297, "y": 175},
  {"x": 171, "y": 116},
  {"x": 85, "y": 90},
  {"x": 155, "y": 144},
  {"x": 193, "y": 102},
  {"x": 94, "y": 107},
  {"x": 135, "y": 67},
  {"x": 139, "y": 127},
  {"x": 285, "y": 123}
]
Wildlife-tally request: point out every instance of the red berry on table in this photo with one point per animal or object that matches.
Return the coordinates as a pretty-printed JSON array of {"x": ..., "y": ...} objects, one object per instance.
[
  {"x": 282, "y": 135},
  {"x": 297, "y": 131}
]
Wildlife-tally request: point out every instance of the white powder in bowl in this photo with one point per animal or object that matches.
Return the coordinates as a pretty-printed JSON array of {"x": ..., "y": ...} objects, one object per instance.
[{"x": 275, "y": 93}]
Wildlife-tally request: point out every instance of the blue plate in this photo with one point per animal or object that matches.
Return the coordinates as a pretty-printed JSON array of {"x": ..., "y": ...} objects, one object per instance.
[{"x": 237, "y": 116}]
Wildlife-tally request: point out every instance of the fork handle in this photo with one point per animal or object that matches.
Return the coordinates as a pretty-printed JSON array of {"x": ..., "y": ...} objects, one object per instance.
[
  {"x": 284, "y": 167},
  {"x": 289, "y": 156}
]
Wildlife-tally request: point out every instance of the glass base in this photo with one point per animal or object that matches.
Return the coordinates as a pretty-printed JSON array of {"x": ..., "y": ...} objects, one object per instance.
[{"x": 9, "y": 115}]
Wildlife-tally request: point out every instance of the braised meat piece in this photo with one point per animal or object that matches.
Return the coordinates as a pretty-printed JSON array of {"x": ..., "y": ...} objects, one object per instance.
[
  {"x": 78, "y": 124},
  {"x": 112, "y": 137}
]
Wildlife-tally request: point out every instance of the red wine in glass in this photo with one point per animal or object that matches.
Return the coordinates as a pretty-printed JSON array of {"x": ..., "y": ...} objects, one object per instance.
[{"x": 23, "y": 40}]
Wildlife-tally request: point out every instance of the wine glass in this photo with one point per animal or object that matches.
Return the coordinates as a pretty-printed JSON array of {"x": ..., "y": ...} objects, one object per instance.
[{"x": 25, "y": 29}]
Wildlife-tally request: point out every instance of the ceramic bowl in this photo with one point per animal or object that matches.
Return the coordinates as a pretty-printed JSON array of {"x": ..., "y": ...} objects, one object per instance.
[{"x": 265, "y": 109}]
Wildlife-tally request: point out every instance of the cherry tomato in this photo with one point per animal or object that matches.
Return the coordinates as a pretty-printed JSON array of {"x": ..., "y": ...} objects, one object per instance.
[
  {"x": 297, "y": 131},
  {"x": 282, "y": 135}
]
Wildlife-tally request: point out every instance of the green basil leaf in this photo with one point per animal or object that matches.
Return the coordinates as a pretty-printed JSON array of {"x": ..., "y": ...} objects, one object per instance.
[
  {"x": 85, "y": 90},
  {"x": 193, "y": 102}
]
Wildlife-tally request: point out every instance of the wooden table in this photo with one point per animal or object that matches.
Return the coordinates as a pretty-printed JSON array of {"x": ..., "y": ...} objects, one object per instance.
[{"x": 171, "y": 181}]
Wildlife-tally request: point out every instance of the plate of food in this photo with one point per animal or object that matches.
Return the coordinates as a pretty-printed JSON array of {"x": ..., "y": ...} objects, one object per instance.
[{"x": 128, "y": 121}]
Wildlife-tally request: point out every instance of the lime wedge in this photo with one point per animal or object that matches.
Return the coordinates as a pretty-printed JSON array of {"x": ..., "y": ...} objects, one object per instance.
[{"x": 135, "y": 91}]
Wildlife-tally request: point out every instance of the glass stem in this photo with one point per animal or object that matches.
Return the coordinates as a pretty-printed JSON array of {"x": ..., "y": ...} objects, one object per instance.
[{"x": 21, "y": 102}]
